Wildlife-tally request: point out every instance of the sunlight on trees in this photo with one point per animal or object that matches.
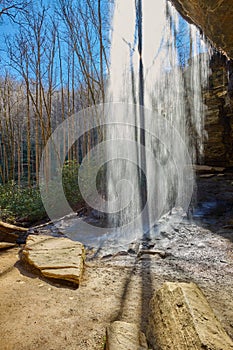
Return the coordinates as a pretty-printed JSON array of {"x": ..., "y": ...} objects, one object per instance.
[{"x": 55, "y": 63}]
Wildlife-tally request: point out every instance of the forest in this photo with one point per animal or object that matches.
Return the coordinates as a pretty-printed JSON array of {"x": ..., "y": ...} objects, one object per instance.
[{"x": 54, "y": 63}]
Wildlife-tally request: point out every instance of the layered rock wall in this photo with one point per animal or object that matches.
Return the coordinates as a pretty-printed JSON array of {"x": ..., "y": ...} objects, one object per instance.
[
  {"x": 215, "y": 18},
  {"x": 218, "y": 148}
]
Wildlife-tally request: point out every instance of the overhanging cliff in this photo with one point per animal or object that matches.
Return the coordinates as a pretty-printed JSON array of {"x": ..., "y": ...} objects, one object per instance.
[{"x": 214, "y": 17}]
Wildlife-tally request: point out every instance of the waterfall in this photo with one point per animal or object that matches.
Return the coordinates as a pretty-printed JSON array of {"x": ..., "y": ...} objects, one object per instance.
[{"x": 156, "y": 124}]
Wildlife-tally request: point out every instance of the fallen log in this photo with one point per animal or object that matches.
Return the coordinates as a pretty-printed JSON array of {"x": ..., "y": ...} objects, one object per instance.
[
  {"x": 8, "y": 232},
  {"x": 9, "y": 228}
]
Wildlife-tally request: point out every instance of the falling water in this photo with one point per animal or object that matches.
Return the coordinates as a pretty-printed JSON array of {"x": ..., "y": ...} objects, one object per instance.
[{"x": 150, "y": 162}]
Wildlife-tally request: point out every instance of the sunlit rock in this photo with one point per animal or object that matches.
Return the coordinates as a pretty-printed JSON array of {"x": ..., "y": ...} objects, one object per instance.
[
  {"x": 181, "y": 318},
  {"x": 122, "y": 336},
  {"x": 56, "y": 258}
]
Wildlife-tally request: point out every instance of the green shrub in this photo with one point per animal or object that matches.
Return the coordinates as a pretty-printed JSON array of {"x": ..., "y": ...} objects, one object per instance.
[
  {"x": 54, "y": 197},
  {"x": 17, "y": 202},
  {"x": 70, "y": 182}
]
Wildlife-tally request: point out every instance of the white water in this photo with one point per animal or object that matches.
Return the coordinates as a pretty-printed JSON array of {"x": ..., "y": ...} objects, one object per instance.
[{"x": 172, "y": 130}]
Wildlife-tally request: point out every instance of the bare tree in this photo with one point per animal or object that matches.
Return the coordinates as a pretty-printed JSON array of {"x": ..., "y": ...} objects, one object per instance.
[
  {"x": 13, "y": 9},
  {"x": 84, "y": 24},
  {"x": 32, "y": 55},
  {"x": 61, "y": 63}
]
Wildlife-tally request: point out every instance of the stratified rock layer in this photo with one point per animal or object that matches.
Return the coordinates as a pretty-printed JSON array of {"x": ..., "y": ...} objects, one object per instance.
[
  {"x": 56, "y": 258},
  {"x": 218, "y": 146},
  {"x": 214, "y": 17},
  {"x": 181, "y": 318},
  {"x": 125, "y": 336}
]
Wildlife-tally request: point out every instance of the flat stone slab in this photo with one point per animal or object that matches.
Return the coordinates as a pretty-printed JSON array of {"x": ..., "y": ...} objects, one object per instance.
[
  {"x": 125, "y": 336},
  {"x": 56, "y": 258},
  {"x": 181, "y": 318}
]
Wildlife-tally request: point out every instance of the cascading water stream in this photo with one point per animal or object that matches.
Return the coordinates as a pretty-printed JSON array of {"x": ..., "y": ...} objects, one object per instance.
[
  {"x": 155, "y": 142},
  {"x": 147, "y": 135}
]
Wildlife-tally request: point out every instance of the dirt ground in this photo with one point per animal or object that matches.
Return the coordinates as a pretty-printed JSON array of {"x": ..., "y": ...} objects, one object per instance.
[{"x": 38, "y": 314}]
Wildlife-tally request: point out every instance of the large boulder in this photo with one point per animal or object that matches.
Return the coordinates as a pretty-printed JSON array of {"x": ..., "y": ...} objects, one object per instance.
[
  {"x": 56, "y": 258},
  {"x": 125, "y": 336},
  {"x": 181, "y": 318}
]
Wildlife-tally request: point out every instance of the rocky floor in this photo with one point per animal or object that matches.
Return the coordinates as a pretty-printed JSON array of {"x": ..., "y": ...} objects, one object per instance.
[{"x": 37, "y": 313}]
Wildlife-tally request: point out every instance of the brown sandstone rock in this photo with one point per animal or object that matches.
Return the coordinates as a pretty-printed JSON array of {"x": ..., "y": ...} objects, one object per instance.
[
  {"x": 214, "y": 17},
  {"x": 218, "y": 146},
  {"x": 125, "y": 336},
  {"x": 56, "y": 258},
  {"x": 181, "y": 318}
]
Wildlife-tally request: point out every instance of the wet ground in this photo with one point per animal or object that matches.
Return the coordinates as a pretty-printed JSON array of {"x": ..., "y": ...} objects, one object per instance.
[{"x": 211, "y": 208}]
